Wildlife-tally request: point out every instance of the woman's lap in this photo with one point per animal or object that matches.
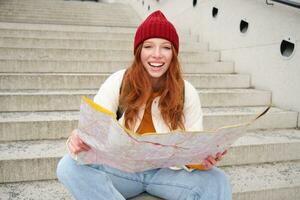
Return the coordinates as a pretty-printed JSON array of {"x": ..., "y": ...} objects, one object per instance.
[
  {"x": 210, "y": 184},
  {"x": 164, "y": 183}
]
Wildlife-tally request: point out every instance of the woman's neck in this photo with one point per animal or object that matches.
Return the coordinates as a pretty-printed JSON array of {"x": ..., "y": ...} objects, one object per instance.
[{"x": 156, "y": 84}]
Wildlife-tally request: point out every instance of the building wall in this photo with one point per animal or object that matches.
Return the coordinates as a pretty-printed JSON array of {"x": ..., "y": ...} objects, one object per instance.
[{"x": 256, "y": 52}]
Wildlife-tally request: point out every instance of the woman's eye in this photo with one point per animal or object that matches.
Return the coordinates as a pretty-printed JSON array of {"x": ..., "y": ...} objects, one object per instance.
[
  {"x": 167, "y": 47},
  {"x": 147, "y": 46}
]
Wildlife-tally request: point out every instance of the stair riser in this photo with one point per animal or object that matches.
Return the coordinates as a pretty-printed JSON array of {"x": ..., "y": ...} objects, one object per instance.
[
  {"x": 16, "y": 66},
  {"x": 26, "y": 170},
  {"x": 92, "y": 55},
  {"x": 35, "y": 19},
  {"x": 73, "y": 6},
  {"x": 36, "y": 130},
  {"x": 65, "y": 15},
  {"x": 271, "y": 121},
  {"x": 239, "y": 155},
  {"x": 107, "y": 33},
  {"x": 25, "y": 130},
  {"x": 48, "y": 102},
  {"x": 67, "y": 35},
  {"x": 94, "y": 81},
  {"x": 84, "y": 44}
]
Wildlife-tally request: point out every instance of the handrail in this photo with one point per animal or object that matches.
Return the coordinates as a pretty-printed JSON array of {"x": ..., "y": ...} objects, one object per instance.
[{"x": 289, "y": 3}]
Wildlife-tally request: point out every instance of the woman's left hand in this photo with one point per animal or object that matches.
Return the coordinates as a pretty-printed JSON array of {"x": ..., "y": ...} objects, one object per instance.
[{"x": 210, "y": 161}]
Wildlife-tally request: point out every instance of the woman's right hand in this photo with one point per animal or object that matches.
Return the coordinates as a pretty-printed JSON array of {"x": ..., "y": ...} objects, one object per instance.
[{"x": 75, "y": 144}]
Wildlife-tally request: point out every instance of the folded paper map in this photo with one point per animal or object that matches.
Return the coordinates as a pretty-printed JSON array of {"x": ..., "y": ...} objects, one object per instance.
[{"x": 114, "y": 145}]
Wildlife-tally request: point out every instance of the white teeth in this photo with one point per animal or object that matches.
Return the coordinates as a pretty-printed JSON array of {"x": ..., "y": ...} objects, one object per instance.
[{"x": 156, "y": 64}]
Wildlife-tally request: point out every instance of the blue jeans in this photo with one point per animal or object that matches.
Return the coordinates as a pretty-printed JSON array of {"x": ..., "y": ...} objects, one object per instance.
[{"x": 99, "y": 182}]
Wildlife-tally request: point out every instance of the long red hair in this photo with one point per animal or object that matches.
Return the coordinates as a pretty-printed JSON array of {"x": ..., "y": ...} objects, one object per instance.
[{"x": 137, "y": 89}]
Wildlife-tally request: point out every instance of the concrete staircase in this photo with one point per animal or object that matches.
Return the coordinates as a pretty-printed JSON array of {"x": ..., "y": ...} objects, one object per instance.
[{"x": 53, "y": 51}]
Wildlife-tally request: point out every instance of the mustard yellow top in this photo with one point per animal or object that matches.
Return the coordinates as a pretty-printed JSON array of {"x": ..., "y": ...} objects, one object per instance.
[{"x": 147, "y": 126}]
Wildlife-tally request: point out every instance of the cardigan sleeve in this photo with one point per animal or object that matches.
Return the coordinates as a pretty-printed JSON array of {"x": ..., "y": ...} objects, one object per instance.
[
  {"x": 193, "y": 115},
  {"x": 109, "y": 92}
]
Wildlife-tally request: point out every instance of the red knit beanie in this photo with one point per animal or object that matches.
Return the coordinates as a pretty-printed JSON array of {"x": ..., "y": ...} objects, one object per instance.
[{"x": 156, "y": 25}]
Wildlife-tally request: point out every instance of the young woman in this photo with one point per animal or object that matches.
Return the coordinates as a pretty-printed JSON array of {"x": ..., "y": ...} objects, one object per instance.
[{"x": 154, "y": 98}]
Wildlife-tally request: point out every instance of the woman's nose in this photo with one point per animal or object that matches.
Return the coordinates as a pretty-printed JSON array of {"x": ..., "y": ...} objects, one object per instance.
[{"x": 157, "y": 52}]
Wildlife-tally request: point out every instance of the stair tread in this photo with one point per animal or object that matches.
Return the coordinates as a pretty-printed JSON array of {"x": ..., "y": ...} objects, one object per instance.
[{"x": 264, "y": 176}]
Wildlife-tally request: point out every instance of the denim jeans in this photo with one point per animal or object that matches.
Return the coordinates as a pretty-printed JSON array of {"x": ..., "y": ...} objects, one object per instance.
[{"x": 99, "y": 182}]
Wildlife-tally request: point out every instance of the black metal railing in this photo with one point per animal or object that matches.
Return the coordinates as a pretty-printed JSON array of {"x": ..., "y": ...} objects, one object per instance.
[{"x": 295, "y": 3}]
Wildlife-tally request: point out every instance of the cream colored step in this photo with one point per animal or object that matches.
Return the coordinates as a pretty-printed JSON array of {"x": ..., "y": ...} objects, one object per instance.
[
  {"x": 101, "y": 34},
  {"x": 66, "y": 8},
  {"x": 54, "y": 31},
  {"x": 35, "y": 190},
  {"x": 93, "y": 55},
  {"x": 11, "y": 42},
  {"x": 58, "y": 20},
  {"x": 109, "y": 12},
  {"x": 37, "y": 160},
  {"x": 274, "y": 181},
  {"x": 53, "y": 125},
  {"x": 275, "y": 118},
  {"x": 15, "y": 29},
  {"x": 38, "y": 66},
  {"x": 83, "y": 33},
  {"x": 69, "y": 5},
  {"x": 54, "y": 100},
  {"x": 93, "y": 81}
]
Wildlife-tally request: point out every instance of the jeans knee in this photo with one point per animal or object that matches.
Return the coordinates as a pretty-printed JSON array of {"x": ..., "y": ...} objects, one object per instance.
[
  {"x": 216, "y": 187},
  {"x": 65, "y": 168},
  {"x": 221, "y": 178}
]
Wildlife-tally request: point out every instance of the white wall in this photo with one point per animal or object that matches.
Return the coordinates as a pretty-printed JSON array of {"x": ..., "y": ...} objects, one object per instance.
[{"x": 257, "y": 52}]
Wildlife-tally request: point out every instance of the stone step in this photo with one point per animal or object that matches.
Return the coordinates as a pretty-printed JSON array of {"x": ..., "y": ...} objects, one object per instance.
[
  {"x": 34, "y": 190},
  {"x": 12, "y": 42},
  {"x": 273, "y": 181},
  {"x": 275, "y": 118},
  {"x": 15, "y": 29},
  {"x": 38, "y": 66},
  {"x": 37, "y": 160},
  {"x": 69, "y": 5},
  {"x": 55, "y": 100},
  {"x": 69, "y": 11},
  {"x": 93, "y": 55},
  {"x": 67, "y": 8},
  {"x": 55, "y": 125},
  {"x": 53, "y": 31},
  {"x": 109, "y": 14},
  {"x": 37, "y": 19},
  {"x": 44, "y": 81}
]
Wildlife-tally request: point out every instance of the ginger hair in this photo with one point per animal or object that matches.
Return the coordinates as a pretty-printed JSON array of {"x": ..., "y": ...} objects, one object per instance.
[{"x": 137, "y": 89}]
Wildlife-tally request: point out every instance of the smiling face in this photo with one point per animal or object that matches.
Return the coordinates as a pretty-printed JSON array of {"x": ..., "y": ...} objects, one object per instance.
[{"x": 156, "y": 56}]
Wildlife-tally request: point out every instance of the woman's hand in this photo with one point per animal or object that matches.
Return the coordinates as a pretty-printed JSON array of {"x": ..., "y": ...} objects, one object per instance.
[
  {"x": 75, "y": 144},
  {"x": 210, "y": 161}
]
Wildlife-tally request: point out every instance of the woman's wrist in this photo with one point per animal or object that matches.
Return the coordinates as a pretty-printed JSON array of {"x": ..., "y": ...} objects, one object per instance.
[{"x": 73, "y": 155}]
